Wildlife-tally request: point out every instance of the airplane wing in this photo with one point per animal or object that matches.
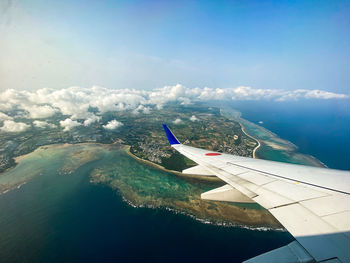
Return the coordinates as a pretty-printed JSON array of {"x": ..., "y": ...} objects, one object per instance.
[{"x": 312, "y": 203}]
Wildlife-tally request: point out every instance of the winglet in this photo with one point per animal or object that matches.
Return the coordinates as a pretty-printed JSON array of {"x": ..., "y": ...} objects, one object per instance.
[{"x": 171, "y": 137}]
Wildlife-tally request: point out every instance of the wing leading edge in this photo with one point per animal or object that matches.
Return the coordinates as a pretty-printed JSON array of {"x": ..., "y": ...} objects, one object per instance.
[{"x": 312, "y": 203}]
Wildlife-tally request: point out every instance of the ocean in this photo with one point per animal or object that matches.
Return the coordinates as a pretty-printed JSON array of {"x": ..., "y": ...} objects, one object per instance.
[{"x": 320, "y": 128}]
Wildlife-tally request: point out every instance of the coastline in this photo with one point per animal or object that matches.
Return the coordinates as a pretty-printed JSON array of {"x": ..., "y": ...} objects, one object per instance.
[
  {"x": 255, "y": 139},
  {"x": 272, "y": 147},
  {"x": 237, "y": 119},
  {"x": 159, "y": 167},
  {"x": 285, "y": 148}
]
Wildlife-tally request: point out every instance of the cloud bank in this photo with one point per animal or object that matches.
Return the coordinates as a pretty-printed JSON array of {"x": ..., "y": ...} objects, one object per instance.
[{"x": 82, "y": 106}]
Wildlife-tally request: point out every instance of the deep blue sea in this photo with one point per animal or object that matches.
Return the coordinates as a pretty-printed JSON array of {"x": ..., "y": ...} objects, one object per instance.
[{"x": 319, "y": 128}]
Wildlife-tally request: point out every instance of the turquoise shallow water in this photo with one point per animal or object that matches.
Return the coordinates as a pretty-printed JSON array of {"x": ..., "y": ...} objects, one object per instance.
[
  {"x": 319, "y": 128},
  {"x": 60, "y": 216},
  {"x": 272, "y": 147}
]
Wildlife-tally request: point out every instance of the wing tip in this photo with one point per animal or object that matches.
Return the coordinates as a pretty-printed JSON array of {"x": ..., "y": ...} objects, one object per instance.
[{"x": 171, "y": 137}]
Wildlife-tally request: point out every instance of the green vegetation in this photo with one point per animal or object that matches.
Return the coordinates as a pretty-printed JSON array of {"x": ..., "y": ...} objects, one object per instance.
[{"x": 176, "y": 162}]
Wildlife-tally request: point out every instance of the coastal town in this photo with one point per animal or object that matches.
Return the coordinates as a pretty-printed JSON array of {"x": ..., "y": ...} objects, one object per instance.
[{"x": 203, "y": 128}]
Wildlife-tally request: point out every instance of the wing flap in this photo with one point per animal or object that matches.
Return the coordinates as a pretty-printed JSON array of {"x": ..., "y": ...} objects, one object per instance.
[{"x": 226, "y": 193}]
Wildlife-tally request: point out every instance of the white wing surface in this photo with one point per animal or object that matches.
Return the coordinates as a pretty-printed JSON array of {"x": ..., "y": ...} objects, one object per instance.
[{"x": 312, "y": 203}]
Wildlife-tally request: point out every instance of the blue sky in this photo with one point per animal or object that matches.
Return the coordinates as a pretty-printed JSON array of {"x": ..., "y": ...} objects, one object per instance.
[{"x": 148, "y": 44}]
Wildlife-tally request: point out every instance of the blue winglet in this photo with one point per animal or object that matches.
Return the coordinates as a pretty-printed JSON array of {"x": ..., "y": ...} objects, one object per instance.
[{"x": 171, "y": 137}]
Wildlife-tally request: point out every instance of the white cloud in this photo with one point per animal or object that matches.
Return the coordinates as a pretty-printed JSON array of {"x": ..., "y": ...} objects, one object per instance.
[
  {"x": 112, "y": 125},
  {"x": 193, "y": 118},
  {"x": 4, "y": 117},
  {"x": 76, "y": 102},
  {"x": 177, "y": 121},
  {"x": 11, "y": 126},
  {"x": 91, "y": 120},
  {"x": 68, "y": 124},
  {"x": 39, "y": 112},
  {"x": 43, "y": 124}
]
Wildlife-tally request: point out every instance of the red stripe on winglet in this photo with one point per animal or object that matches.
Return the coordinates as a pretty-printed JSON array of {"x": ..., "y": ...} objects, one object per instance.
[{"x": 212, "y": 154}]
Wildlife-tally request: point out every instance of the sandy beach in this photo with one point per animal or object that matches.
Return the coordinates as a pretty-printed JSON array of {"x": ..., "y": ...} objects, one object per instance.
[{"x": 256, "y": 147}]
